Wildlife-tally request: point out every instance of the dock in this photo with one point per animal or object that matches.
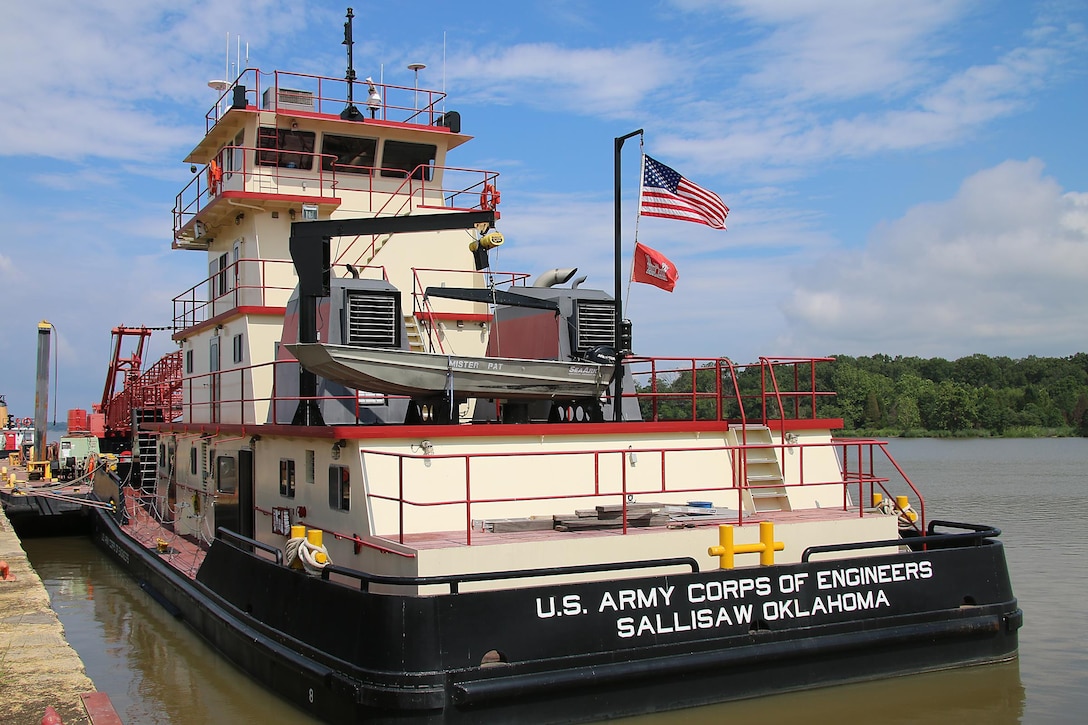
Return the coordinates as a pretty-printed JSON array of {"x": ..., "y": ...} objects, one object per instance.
[{"x": 38, "y": 668}]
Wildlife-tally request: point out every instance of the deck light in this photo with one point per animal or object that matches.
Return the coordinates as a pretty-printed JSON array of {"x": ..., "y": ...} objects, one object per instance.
[{"x": 374, "y": 99}]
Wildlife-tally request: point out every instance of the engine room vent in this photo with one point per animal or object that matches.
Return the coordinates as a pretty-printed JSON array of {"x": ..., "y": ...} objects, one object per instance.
[
  {"x": 595, "y": 325},
  {"x": 372, "y": 319}
]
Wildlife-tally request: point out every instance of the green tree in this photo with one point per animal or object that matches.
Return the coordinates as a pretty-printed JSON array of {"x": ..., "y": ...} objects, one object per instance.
[{"x": 953, "y": 407}]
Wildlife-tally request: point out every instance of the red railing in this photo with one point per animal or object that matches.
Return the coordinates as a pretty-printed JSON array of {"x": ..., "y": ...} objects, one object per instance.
[
  {"x": 423, "y": 309},
  {"x": 602, "y": 488},
  {"x": 679, "y": 388},
  {"x": 300, "y": 93},
  {"x": 729, "y": 402},
  {"x": 157, "y": 388},
  {"x": 420, "y": 189},
  {"x": 241, "y": 169},
  {"x": 244, "y": 283},
  {"x": 241, "y": 283},
  {"x": 265, "y": 172}
]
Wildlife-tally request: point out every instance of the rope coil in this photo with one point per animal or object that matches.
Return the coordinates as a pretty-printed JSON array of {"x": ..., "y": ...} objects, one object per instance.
[{"x": 301, "y": 550}]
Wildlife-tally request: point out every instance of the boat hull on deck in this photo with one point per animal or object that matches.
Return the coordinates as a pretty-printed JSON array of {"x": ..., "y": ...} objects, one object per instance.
[
  {"x": 589, "y": 650},
  {"x": 405, "y": 372}
]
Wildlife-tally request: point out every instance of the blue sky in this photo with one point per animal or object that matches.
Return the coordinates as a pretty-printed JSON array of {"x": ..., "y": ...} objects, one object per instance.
[{"x": 904, "y": 178}]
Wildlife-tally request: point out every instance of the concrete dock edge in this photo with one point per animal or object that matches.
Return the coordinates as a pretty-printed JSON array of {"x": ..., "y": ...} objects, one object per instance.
[{"x": 38, "y": 668}]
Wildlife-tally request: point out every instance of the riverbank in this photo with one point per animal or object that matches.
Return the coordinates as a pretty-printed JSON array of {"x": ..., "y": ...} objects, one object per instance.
[
  {"x": 1017, "y": 432},
  {"x": 38, "y": 668}
]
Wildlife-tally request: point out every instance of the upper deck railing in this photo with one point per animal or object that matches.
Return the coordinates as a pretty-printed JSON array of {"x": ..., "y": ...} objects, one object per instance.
[
  {"x": 778, "y": 388},
  {"x": 245, "y": 283},
  {"x": 295, "y": 93},
  {"x": 270, "y": 172}
]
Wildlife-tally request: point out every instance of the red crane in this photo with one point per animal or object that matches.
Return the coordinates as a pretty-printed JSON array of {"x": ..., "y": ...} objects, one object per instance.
[{"x": 156, "y": 392}]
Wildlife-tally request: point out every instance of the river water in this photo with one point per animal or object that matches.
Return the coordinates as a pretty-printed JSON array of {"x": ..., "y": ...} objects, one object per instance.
[{"x": 1036, "y": 491}]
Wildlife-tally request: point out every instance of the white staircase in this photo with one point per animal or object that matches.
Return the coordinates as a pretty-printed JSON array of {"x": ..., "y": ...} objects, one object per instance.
[
  {"x": 764, "y": 485},
  {"x": 415, "y": 334}
]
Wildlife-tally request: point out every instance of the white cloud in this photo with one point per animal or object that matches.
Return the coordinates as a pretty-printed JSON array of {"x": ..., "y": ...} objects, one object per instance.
[
  {"x": 998, "y": 269},
  {"x": 842, "y": 49},
  {"x": 791, "y": 115},
  {"x": 590, "y": 81}
]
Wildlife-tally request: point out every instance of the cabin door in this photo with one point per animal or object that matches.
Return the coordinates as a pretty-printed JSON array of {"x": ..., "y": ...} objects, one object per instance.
[{"x": 245, "y": 493}]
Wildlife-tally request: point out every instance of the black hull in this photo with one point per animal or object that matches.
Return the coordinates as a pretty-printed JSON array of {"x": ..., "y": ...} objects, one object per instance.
[{"x": 624, "y": 647}]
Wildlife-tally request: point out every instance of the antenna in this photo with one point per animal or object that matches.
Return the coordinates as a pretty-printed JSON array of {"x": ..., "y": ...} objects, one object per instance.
[
  {"x": 416, "y": 68},
  {"x": 350, "y": 112}
]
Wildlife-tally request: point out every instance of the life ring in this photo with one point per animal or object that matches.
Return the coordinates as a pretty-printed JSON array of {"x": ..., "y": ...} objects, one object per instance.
[
  {"x": 92, "y": 463},
  {"x": 28, "y": 422},
  {"x": 215, "y": 177},
  {"x": 489, "y": 197}
]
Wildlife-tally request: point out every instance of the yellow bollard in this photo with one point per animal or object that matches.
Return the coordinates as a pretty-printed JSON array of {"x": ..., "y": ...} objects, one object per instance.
[
  {"x": 314, "y": 537},
  {"x": 766, "y": 540},
  {"x": 726, "y": 550},
  {"x": 878, "y": 498},
  {"x": 907, "y": 515}
]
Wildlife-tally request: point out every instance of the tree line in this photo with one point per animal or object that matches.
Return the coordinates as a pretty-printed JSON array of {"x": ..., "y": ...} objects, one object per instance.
[{"x": 885, "y": 395}]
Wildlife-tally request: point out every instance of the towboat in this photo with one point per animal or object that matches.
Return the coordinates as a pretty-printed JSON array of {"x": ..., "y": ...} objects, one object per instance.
[{"x": 337, "y": 485}]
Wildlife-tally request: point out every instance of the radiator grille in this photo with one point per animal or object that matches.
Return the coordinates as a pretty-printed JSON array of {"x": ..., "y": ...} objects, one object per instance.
[
  {"x": 372, "y": 319},
  {"x": 596, "y": 322}
]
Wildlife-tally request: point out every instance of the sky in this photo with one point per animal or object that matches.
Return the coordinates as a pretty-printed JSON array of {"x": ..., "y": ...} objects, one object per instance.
[{"x": 903, "y": 178}]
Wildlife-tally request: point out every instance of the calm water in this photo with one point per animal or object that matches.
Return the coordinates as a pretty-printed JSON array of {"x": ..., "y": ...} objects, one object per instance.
[{"x": 1036, "y": 491}]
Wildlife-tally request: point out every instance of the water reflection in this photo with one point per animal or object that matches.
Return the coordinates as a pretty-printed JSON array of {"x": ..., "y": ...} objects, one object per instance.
[
  {"x": 153, "y": 667},
  {"x": 992, "y": 694}
]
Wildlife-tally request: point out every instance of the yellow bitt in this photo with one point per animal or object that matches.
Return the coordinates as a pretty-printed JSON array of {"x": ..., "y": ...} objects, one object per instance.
[
  {"x": 907, "y": 515},
  {"x": 304, "y": 550},
  {"x": 313, "y": 536},
  {"x": 726, "y": 550},
  {"x": 298, "y": 534}
]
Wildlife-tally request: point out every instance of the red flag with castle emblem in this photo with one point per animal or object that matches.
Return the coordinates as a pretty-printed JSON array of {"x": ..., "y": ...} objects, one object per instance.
[{"x": 652, "y": 267}]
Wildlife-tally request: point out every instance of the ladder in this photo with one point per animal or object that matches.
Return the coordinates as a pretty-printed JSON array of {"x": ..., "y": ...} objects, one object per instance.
[
  {"x": 764, "y": 485},
  {"x": 145, "y": 454},
  {"x": 415, "y": 335}
]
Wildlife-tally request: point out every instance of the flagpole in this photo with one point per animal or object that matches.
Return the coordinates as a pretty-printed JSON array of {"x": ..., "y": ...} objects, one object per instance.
[{"x": 617, "y": 400}]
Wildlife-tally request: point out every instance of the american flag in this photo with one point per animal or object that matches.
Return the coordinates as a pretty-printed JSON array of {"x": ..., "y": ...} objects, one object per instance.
[{"x": 665, "y": 193}]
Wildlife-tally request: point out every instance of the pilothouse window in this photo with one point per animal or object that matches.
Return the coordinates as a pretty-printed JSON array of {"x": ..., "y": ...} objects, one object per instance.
[
  {"x": 400, "y": 159},
  {"x": 353, "y": 155},
  {"x": 291, "y": 149}
]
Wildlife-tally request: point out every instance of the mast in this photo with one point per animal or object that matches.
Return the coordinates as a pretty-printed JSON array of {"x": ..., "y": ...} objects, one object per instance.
[{"x": 350, "y": 112}]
